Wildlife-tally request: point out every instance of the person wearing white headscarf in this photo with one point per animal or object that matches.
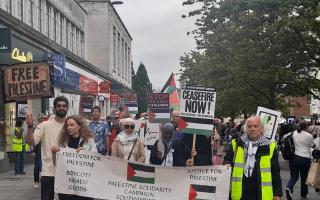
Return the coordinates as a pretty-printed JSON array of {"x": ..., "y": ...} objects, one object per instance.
[{"x": 127, "y": 144}]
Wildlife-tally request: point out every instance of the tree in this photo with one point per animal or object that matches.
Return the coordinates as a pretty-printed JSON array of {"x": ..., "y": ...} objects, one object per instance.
[
  {"x": 142, "y": 87},
  {"x": 255, "y": 53}
]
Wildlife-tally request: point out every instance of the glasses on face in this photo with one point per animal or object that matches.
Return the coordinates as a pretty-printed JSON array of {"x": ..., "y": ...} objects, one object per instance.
[
  {"x": 129, "y": 126},
  {"x": 61, "y": 105}
]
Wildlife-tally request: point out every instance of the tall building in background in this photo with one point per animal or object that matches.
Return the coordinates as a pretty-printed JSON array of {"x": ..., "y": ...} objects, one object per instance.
[
  {"x": 90, "y": 42},
  {"x": 108, "y": 42}
]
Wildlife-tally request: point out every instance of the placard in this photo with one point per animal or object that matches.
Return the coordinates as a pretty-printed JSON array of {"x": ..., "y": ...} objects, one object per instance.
[
  {"x": 197, "y": 110},
  {"x": 159, "y": 110},
  {"x": 270, "y": 120},
  {"x": 24, "y": 81}
]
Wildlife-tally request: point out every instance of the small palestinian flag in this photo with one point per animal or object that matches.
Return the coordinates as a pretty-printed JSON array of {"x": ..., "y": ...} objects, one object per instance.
[
  {"x": 159, "y": 115},
  {"x": 201, "y": 192},
  {"x": 197, "y": 126},
  {"x": 131, "y": 108},
  {"x": 140, "y": 173}
]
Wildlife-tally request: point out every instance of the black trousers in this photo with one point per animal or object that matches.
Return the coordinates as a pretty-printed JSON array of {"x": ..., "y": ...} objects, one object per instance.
[{"x": 47, "y": 187}]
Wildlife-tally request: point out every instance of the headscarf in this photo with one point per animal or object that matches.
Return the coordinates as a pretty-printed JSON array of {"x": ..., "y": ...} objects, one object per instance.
[
  {"x": 250, "y": 151},
  {"x": 127, "y": 139},
  {"x": 167, "y": 128}
]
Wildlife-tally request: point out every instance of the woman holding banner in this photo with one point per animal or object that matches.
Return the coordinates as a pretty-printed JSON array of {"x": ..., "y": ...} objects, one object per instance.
[
  {"x": 127, "y": 144},
  {"x": 75, "y": 134}
]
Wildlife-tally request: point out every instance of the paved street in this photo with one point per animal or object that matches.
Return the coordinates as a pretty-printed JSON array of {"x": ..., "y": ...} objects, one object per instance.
[{"x": 17, "y": 187}]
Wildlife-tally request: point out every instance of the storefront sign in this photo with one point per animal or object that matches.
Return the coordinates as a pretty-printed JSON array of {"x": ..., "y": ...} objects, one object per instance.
[
  {"x": 5, "y": 42},
  {"x": 21, "y": 56},
  {"x": 104, "y": 87},
  {"x": 21, "y": 51},
  {"x": 114, "y": 98},
  {"x": 71, "y": 81},
  {"x": 27, "y": 81},
  {"x": 88, "y": 85},
  {"x": 59, "y": 65}
]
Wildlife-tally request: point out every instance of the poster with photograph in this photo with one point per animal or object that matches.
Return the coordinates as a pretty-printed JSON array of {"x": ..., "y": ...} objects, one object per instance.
[
  {"x": 22, "y": 110},
  {"x": 270, "y": 120}
]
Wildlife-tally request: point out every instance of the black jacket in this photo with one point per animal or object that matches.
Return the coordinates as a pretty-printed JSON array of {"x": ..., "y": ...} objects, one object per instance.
[
  {"x": 177, "y": 159},
  {"x": 203, "y": 148},
  {"x": 254, "y": 193}
]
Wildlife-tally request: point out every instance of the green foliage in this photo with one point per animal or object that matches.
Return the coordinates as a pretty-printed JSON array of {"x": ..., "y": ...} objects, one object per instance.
[
  {"x": 142, "y": 86},
  {"x": 255, "y": 52}
]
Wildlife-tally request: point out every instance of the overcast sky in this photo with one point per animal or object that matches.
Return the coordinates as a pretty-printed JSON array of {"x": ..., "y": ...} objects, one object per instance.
[{"x": 159, "y": 35}]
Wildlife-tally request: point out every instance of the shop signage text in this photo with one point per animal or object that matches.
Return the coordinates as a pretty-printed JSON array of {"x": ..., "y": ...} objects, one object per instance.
[{"x": 21, "y": 57}]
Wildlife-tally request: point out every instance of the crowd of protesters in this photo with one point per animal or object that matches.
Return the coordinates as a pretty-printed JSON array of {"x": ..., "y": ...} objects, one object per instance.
[{"x": 242, "y": 146}]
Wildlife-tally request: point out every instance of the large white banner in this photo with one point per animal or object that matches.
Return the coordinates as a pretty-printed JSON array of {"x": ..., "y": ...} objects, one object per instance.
[{"x": 93, "y": 175}]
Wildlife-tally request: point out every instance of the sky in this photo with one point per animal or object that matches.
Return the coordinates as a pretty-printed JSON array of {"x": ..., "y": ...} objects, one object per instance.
[{"x": 159, "y": 35}]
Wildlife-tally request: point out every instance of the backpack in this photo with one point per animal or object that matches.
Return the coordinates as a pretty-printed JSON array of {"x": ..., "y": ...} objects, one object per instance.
[{"x": 288, "y": 147}]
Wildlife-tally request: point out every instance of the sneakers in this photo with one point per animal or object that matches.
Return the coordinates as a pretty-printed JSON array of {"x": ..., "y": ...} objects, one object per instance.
[
  {"x": 288, "y": 194},
  {"x": 22, "y": 173},
  {"x": 36, "y": 185}
]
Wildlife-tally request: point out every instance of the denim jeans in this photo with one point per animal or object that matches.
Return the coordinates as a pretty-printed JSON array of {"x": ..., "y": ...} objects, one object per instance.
[
  {"x": 19, "y": 162},
  {"x": 299, "y": 165}
]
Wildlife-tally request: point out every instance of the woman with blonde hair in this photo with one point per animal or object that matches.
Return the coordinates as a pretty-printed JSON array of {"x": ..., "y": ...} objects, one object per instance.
[
  {"x": 75, "y": 134},
  {"x": 127, "y": 144}
]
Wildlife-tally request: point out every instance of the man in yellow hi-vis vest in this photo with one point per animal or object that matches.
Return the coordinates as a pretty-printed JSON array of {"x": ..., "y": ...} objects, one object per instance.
[
  {"x": 255, "y": 165},
  {"x": 18, "y": 148}
]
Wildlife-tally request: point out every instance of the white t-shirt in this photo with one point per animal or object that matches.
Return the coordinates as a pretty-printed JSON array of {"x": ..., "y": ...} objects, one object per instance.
[
  {"x": 303, "y": 141},
  {"x": 47, "y": 133}
]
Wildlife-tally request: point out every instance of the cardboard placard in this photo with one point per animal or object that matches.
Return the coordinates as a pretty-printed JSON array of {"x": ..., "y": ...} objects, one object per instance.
[{"x": 24, "y": 81}]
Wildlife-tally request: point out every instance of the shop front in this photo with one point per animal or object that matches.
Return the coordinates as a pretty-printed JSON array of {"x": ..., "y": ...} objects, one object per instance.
[
  {"x": 82, "y": 90},
  {"x": 15, "y": 50}
]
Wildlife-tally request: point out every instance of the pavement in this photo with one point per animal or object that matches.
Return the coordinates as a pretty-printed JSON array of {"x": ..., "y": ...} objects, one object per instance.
[{"x": 17, "y": 187}]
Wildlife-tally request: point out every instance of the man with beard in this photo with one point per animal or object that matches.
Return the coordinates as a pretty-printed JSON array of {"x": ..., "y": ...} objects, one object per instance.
[{"x": 47, "y": 133}]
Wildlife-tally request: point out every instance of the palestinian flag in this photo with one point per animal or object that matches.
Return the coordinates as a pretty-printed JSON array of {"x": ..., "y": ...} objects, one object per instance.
[
  {"x": 131, "y": 108},
  {"x": 159, "y": 115},
  {"x": 197, "y": 126},
  {"x": 201, "y": 192},
  {"x": 171, "y": 88},
  {"x": 140, "y": 173}
]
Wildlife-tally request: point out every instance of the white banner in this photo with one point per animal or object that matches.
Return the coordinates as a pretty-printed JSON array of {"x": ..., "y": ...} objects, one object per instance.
[{"x": 92, "y": 175}]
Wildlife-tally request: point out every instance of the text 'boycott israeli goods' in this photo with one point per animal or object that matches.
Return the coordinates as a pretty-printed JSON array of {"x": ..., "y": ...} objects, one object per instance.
[{"x": 197, "y": 109}]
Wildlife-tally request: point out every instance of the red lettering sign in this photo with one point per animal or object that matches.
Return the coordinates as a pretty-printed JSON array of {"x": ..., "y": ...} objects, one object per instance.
[{"x": 88, "y": 85}]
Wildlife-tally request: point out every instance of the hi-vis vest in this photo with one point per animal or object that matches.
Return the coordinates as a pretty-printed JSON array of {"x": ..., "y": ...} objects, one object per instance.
[
  {"x": 265, "y": 172},
  {"x": 17, "y": 144}
]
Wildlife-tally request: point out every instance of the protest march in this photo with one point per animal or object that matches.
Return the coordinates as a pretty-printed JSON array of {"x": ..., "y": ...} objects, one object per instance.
[{"x": 159, "y": 100}]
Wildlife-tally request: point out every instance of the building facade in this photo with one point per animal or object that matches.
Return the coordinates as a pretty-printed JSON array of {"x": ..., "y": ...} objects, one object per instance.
[
  {"x": 39, "y": 30},
  {"x": 108, "y": 42}
]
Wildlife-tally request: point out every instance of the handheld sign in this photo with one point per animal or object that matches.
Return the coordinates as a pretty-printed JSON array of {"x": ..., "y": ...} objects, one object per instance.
[
  {"x": 26, "y": 81},
  {"x": 270, "y": 120},
  {"x": 159, "y": 110},
  {"x": 130, "y": 103},
  {"x": 197, "y": 110}
]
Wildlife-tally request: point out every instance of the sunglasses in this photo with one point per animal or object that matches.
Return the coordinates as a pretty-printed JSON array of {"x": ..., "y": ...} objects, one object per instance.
[
  {"x": 61, "y": 105},
  {"x": 129, "y": 126}
]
